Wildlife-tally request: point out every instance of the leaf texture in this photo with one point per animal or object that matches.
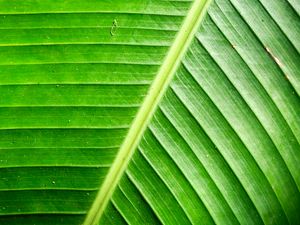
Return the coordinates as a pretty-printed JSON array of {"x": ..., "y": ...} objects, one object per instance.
[
  {"x": 69, "y": 92},
  {"x": 222, "y": 146}
]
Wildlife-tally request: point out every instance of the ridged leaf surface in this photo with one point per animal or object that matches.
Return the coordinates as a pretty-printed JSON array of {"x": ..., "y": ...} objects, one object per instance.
[{"x": 149, "y": 112}]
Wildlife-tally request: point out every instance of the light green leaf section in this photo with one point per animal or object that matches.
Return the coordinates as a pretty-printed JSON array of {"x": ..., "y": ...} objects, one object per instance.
[
  {"x": 161, "y": 121},
  {"x": 223, "y": 145}
]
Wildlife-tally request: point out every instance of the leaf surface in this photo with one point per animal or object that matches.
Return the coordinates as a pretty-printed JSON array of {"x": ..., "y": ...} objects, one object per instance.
[{"x": 116, "y": 112}]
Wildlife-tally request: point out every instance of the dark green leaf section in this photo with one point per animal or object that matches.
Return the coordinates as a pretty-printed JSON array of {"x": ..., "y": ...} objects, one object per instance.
[
  {"x": 41, "y": 219},
  {"x": 47, "y": 201},
  {"x": 69, "y": 90},
  {"x": 15, "y": 139},
  {"x": 153, "y": 7},
  {"x": 137, "y": 21},
  {"x": 72, "y": 73},
  {"x": 223, "y": 146},
  {"x": 51, "y": 178},
  {"x": 54, "y": 117},
  {"x": 89, "y": 53},
  {"x": 84, "y": 157}
]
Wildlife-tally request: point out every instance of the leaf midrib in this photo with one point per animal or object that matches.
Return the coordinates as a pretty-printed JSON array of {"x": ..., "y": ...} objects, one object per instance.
[{"x": 143, "y": 117}]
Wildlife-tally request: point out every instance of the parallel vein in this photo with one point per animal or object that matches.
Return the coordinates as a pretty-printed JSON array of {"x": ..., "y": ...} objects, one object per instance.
[{"x": 157, "y": 89}]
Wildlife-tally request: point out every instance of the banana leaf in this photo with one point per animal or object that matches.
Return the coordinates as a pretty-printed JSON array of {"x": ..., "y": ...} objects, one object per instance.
[{"x": 149, "y": 112}]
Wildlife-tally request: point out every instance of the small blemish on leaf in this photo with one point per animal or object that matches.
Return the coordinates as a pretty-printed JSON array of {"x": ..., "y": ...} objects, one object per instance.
[
  {"x": 114, "y": 27},
  {"x": 276, "y": 59}
]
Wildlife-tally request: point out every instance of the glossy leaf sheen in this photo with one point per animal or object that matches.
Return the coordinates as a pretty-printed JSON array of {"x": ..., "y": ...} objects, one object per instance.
[{"x": 222, "y": 146}]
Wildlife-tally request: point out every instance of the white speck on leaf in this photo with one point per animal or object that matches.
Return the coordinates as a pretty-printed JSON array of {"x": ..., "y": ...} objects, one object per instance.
[{"x": 277, "y": 61}]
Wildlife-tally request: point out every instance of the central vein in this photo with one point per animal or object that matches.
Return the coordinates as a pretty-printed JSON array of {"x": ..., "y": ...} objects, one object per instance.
[{"x": 145, "y": 113}]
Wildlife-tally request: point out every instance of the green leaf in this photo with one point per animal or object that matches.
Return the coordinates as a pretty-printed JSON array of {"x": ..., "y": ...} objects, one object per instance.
[{"x": 149, "y": 112}]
